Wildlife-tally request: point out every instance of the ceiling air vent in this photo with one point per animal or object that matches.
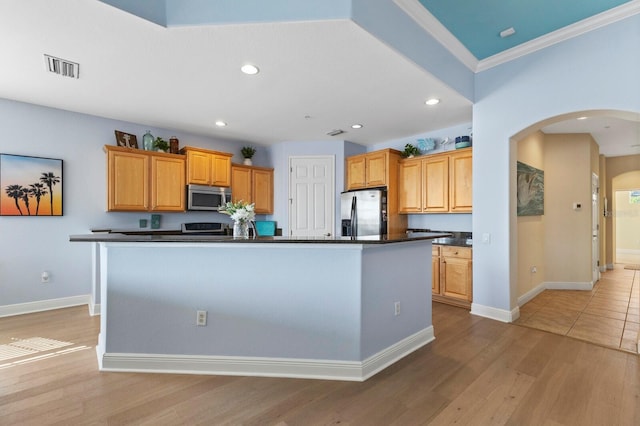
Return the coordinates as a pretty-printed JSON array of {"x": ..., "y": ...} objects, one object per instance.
[
  {"x": 62, "y": 67},
  {"x": 335, "y": 132}
]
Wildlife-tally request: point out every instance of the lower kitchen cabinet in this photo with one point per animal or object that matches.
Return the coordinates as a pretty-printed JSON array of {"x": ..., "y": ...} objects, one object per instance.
[{"x": 454, "y": 283}]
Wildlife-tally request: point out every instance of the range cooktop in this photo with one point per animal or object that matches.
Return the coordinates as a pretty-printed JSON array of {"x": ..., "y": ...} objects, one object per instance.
[{"x": 204, "y": 228}]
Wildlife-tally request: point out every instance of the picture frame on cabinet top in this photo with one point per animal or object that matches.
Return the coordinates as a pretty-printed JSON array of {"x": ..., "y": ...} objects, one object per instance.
[{"x": 126, "y": 140}]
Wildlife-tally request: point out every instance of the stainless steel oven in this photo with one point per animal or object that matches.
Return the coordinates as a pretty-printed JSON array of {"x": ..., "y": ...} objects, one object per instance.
[{"x": 201, "y": 197}]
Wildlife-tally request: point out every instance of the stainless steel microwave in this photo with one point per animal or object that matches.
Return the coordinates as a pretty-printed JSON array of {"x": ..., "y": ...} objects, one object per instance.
[{"x": 201, "y": 197}]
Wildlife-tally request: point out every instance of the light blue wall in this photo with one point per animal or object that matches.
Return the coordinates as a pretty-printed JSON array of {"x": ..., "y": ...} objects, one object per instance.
[
  {"x": 460, "y": 222},
  {"x": 598, "y": 70},
  {"x": 280, "y": 153},
  {"x": 30, "y": 245},
  {"x": 200, "y": 12}
]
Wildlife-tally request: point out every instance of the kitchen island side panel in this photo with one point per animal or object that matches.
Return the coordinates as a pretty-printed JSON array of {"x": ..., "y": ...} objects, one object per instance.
[
  {"x": 281, "y": 301},
  {"x": 399, "y": 273}
]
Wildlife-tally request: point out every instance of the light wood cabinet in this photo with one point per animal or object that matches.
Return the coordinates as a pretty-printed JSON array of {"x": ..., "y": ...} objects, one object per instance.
[
  {"x": 455, "y": 276},
  {"x": 206, "y": 167},
  {"x": 253, "y": 185},
  {"x": 375, "y": 169},
  {"x": 144, "y": 180},
  {"x": 435, "y": 269},
  {"x": 461, "y": 181},
  {"x": 438, "y": 183},
  {"x": 371, "y": 169}
]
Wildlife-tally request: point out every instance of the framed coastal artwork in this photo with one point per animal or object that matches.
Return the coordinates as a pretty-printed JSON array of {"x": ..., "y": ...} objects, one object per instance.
[
  {"x": 30, "y": 186},
  {"x": 530, "y": 187}
]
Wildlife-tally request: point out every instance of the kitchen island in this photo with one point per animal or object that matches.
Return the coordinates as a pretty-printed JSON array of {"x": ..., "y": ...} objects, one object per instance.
[{"x": 331, "y": 308}]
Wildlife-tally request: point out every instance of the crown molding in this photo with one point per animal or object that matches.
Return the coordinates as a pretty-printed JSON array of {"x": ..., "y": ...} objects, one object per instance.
[
  {"x": 429, "y": 23},
  {"x": 581, "y": 27}
]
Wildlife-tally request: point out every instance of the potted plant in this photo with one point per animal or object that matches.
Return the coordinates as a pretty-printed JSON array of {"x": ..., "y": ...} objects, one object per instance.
[
  {"x": 160, "y": 144},
  {"x": 247, "y": 152},
  {"x": 410, "y": 151}
]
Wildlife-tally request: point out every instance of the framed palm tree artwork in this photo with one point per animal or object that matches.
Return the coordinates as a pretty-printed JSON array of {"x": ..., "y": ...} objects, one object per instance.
[{"x": 30, "y": 186}]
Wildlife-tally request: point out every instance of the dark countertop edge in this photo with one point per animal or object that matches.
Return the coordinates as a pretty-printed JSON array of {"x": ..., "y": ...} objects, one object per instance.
[{"x": 121, "y": 238}]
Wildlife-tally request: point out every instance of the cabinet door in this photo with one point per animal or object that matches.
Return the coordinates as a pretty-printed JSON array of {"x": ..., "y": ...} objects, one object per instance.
[
  {"x": 241, "y": 184},
  {"x": 356, "y": 177},
  {"x": 436, "y": 184},
  {"x": 461, "y": 182},
  {"x": 455, "y": 277},
  {"x": 410, "y": 183},
  {"x": 221, "y": 170},
  {"x": 128, "y": 181},
  {"x": 198, "y": 168},
  {"x": 262, "y": 190},
  {"x": 376, "y": 169},
  {"x": 435, "y": 275},
  {"x": 167, "y": 184}
]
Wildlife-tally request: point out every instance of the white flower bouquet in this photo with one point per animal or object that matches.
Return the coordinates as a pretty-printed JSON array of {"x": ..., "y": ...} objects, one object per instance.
[{"x": 239, "y": 211}]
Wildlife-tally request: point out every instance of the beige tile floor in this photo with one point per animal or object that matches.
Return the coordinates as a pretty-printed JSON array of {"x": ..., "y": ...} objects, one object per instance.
[{"x": 608, "y": 315}]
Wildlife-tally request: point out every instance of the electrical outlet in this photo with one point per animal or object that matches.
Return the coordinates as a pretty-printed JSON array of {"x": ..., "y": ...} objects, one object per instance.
[
  {"x": 534, "y": 269},
  {"x": 201, "y": 318},
  {"x": 396, "y": 307}
]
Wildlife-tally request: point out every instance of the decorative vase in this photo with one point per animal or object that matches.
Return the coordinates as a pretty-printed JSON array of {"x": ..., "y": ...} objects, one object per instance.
[
  {"x": 241, "y": 230},
  {"x": 247, "y": 162},
  {"x": 173, "y": 145},
  {"x": 147, "y": 141}
]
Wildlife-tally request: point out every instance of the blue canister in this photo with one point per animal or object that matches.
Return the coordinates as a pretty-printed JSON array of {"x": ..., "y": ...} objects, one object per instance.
[{"x": 147, "y": 141}]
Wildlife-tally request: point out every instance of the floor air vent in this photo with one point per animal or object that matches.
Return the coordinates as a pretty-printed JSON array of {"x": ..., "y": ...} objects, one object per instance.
[{"x": 62, "y": 67}]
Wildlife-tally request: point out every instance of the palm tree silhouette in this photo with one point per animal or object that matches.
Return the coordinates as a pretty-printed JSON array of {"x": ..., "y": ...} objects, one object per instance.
[
  {"x": 25, "y": 197},
  {"x": 50, "y": 180},
  {"x": 15, "y": 192},
  {"x": 37, "y": 190}
]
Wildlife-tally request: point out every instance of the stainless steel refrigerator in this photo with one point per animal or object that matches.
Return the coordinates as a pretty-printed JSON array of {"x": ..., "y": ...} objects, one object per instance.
[{"x": 363, "y": 212}]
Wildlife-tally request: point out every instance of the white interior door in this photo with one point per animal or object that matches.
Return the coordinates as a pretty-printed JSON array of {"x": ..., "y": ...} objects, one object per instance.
[
  {"x": 312, "y": 196},
  {"x": 595, "y": 228}
]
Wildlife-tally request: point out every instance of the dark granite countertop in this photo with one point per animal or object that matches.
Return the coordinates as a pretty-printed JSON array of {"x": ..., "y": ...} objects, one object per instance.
[
  {"x": 191, "y": 238},
  {"x": 460, "y": 239}
]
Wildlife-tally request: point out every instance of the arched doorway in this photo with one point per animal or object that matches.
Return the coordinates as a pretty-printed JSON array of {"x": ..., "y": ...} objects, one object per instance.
[{"x": 554, "y": 249}]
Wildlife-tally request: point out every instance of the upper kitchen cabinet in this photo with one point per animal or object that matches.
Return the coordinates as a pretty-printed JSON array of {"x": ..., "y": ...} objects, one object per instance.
[
  {"x": 439, "y": 183},
  {"x": 253, "y": 185},
  {"x": 372, "y": 169},
  {"x": 206, "y": 167},
  {"x": 461, "y": 181},
  {"x": 144, "y": 181}
]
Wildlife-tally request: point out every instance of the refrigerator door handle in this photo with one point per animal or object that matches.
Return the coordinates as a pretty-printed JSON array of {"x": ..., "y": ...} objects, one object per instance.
[{"x": 354, "y": 217}]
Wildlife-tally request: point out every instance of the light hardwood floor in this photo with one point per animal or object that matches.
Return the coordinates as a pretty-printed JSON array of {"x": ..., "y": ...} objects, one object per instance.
[
  {"x": 476, "y": 372},
  {"x": 608, "y": 315}
]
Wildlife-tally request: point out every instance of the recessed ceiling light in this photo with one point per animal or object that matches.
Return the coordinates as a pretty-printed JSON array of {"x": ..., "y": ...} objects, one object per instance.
[
  {"x": 220, "y": 123},
  {"x": 249, "y": 69},
  {"x": 356, "y": 126},
  {"x": 581, "y": 118},
  {"x": 432, "y": 101}
]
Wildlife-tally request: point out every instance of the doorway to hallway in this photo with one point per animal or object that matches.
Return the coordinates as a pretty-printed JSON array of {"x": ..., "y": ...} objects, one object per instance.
[{"x": 627, "y": 226}]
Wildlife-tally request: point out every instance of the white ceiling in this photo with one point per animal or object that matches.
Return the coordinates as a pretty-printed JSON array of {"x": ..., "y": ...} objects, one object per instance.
[{"x": 315, "y": 76}]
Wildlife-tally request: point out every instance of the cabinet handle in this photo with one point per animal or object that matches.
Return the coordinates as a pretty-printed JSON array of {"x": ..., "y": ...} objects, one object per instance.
[{"x": 455, "y": 253}]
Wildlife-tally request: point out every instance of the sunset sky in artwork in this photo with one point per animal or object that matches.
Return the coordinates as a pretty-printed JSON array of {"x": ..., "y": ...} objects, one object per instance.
[{"x": 24, "y": 171}]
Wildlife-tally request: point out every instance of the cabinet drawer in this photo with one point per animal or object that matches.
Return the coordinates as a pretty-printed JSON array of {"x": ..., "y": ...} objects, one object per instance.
[
  {"x": 435, "y": 250},
  {"x": 459, "y": 252}
]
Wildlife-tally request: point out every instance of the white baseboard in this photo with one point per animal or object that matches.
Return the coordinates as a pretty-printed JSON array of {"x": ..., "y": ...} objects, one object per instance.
[
  {"x": 531, "y": 294},
  {"x": 609, "y": 266},
  {"x": 43, "y": 305},
  {"x": 94, "y": 308},
  {"x": 569, "y": 285},
  {"x": 495, "y": 313},
  {"x": 265, "y": 367}
]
